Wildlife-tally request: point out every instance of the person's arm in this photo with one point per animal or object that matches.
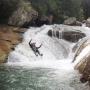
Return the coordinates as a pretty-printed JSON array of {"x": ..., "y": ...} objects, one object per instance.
[
  {"x": 30, "y": 41},
  {"x": 39, "y": 46}
]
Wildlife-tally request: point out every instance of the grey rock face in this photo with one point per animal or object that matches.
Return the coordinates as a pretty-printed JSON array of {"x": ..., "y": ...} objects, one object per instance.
[{"x": 24, "y": 14}]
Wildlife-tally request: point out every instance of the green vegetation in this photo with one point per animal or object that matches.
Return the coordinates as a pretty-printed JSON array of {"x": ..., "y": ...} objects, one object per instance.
[
  {"x": 60, "y": 9},
  {"x": 6, "y": 9},
  {"x": 86, "y": 8}
]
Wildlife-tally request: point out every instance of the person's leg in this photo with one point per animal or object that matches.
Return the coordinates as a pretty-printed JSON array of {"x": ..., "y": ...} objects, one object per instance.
[
  {"x": 35, "y": 53},
  {"x": 34, "y": 50},
  {"x": 38, "y": 52}
]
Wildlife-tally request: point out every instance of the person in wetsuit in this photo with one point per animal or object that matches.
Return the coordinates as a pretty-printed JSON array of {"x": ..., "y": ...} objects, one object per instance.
[{"x": 34, "y": 48}]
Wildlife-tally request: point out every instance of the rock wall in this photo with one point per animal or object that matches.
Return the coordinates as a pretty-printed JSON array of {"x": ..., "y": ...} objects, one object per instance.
[{"x": 9, "y": 38}]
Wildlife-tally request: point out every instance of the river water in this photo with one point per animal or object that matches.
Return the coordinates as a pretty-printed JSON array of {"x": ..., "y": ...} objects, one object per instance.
[{"x": 53, "y": 71}]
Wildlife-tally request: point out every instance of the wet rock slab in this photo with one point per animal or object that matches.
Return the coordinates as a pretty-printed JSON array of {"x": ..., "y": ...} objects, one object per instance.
[{"x": 71, "y": 36}]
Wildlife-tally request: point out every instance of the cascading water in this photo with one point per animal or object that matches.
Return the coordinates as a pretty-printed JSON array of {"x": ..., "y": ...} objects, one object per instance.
[
  {"x": 52, "y": 48},
  {"x": 53, "y": 71}
]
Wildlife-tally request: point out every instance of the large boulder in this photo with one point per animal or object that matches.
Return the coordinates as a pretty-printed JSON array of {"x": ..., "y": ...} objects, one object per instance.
[
  {"x": 71, "y": 36},
  {"x": 70, "y": 21},
  {"x": 78, "y": 23},
  {"x": 44, "y": 20},
  {"x": 88, "y": 22},
  {"x": 23, "y": 15}
]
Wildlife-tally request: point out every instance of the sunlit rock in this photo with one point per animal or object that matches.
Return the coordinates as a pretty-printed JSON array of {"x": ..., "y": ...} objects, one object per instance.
[
  {"x": 70, "y": 21},
  {"x": 78, "y": 23},
  {"x": 82, "y": 60}
]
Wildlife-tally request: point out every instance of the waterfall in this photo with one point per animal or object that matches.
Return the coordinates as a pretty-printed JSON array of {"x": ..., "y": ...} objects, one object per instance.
[
  {"x": 52, "y": 48},
  {"x": 57, "y": 54}
]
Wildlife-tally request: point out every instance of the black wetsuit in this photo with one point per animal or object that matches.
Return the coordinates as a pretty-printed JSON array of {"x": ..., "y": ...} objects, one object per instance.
[{"x": 35, "y": 49}]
